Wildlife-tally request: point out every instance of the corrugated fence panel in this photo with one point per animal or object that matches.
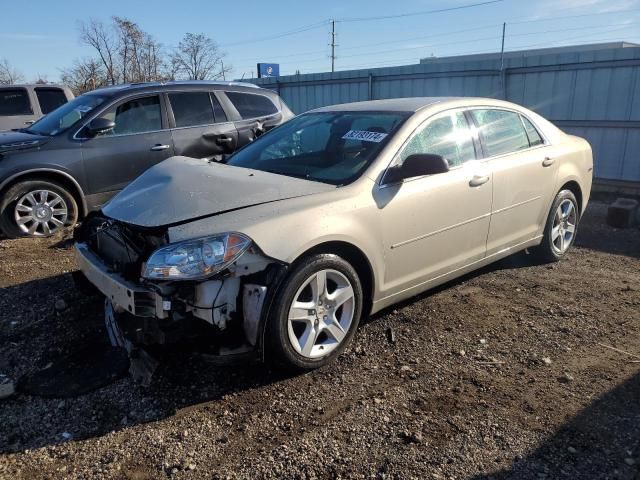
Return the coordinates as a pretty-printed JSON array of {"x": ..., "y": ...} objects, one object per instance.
[{"x": 597, "y": 92}]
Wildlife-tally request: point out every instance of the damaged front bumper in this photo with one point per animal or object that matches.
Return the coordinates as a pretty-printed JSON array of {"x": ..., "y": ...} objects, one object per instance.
[{"x": 227, "y": 311}]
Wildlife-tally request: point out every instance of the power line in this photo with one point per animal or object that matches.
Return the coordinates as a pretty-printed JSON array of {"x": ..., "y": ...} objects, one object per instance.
[
  {"x": 279, "y": 35},
  {"x": 413, "y": 14}
]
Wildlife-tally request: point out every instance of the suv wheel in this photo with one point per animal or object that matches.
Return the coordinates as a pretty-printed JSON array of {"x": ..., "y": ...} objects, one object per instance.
[
  {"x": 37, "y": 208},
  {"x": 316, "y": 314}
]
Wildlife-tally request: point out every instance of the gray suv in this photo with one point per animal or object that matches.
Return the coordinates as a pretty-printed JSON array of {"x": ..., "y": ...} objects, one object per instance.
[{"x": 74, "y": 159}]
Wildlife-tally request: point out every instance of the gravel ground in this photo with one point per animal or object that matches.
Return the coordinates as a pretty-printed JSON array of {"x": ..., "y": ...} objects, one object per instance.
[{"x": 502, "y": 374}]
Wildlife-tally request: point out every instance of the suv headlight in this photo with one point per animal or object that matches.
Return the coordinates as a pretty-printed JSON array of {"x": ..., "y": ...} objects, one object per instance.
[{"x": 195, "y": 259}]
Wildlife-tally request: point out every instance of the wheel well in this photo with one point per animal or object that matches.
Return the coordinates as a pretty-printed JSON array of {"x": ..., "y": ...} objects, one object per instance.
[
  {"x": 54, "y": 177},
  {"x": 358, "y": 261},
  {"x": 575, "y": 189}
]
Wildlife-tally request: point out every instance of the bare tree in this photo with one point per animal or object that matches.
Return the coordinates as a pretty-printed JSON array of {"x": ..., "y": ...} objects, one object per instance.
[
  {"x": 127, "y": 53},
  {"x": 96, "y": 35},
  {"x": 8, "y": 74},
  {"x": 85, "y": 75},
  {"x": 198, "y": 58}
]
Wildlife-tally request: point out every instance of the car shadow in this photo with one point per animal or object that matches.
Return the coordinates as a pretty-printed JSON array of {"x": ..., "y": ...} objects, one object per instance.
[{"x": 601, "y": 441}]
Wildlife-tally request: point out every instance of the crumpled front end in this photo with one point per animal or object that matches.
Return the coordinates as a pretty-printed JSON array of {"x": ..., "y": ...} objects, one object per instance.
[{"x": 224, "y": 312}]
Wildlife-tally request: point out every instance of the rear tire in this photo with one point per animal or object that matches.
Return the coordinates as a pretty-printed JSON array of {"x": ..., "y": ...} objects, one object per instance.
[
  {"x": 37, "y": 208},
  {"x": 316, "y": 313},
  {"x": 560, "y": 229}
]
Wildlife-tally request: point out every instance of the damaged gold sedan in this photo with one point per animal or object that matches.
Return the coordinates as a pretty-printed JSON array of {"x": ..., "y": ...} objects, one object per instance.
[{"x": 336, "y": 214}]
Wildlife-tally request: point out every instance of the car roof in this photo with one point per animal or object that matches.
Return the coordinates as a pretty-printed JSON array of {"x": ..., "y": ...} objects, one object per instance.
[
  {"x": 414, "y": 104},
  {"x": 409, "y": 104},
  {"x": 187, "y": 84}
]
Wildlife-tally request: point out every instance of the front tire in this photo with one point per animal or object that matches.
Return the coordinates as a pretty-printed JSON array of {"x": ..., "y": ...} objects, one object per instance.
[
  {"x": 37, "y": 208},
  {"x": 560, "y": 229},
  {"x": 316, "y": 313}
]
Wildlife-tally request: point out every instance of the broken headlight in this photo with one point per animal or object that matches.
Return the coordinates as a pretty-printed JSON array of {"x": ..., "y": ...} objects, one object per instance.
[{"x": 194, "y": 259}]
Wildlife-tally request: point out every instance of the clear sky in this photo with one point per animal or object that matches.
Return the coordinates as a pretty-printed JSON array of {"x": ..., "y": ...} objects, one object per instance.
[{"x": 40, "y": 38}]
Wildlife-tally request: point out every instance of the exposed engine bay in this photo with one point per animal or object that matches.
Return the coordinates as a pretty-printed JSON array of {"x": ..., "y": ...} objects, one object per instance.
[{"x": 226, "y": 310}]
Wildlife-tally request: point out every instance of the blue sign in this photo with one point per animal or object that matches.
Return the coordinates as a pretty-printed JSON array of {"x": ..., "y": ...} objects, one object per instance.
[{"x": 268, "y": 70}]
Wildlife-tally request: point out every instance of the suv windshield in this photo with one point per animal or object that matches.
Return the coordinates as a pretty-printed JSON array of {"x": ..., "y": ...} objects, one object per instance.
[
  {"x": 329, "y": 147},
  {"x": 66, "y": 115}
]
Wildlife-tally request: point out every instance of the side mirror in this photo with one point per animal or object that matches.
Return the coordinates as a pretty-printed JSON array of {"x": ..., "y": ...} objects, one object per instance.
[
  {"x": 100, "y": 125},
  {"x": 418, "y": 165}
]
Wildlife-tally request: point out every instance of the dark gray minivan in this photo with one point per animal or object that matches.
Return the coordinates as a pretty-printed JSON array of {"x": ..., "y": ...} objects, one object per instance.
[{"x": 74, "y": 159}]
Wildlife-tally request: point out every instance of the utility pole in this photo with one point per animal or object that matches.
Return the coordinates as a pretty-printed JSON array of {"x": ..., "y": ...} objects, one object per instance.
[
  {"x": 333, "y": 45},
  {"x": 502, "y": 75}
]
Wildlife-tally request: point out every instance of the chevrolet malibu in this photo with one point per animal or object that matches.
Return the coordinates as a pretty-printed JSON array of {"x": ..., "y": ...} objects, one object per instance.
[{"x": 337, "y": 214}]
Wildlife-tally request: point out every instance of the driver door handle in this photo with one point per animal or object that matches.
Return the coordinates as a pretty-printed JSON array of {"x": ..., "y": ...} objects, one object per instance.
[
  {"x": 547, "y": 162},
  {"x": 478, "y": 180},
  {"x": 158, "y": 147}
]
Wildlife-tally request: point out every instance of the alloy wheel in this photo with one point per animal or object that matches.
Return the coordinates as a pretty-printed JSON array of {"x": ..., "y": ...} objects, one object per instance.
[
  {"x": 321, "y": 313},
  {"x": 564, "y": 226},
  {"x": 41, "y": 213}
]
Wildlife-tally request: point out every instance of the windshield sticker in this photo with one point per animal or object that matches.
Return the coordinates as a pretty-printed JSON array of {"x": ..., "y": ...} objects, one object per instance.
[{"x": 364, "y": 135}]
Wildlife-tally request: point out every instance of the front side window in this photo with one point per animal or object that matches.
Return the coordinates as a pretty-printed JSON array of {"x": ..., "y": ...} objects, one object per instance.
[
  {"x": 329, "y": 147},
  {"x": 191, "y": 108},
  {"x": 251, "y": 105},
  {"x": 15, "y": 101},
  {"x": 135, "y": 116},
  {"x": 67, "y": 115},
  {"x": 448, "y": 136},
  {"x": 50, "y": 99},
  {"x": 501, "y": 130}
]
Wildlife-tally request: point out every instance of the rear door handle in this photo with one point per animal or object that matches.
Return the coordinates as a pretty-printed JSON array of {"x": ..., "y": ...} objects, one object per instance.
[
  {"x": 478, "y": 180},
  {"x": 224, "y": 139},
  {"x": 547, "y": 162},
  {"x": 159, "y": 147}
]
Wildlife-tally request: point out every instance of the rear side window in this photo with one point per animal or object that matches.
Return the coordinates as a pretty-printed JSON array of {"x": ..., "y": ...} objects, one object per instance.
[
  {"x": 534, "y": 136},
  {"x": 218, "y": 111},
  {"x": 252, "y": 105},
  {"x": 501, "y": 130},
  {"x": 15, "y": 101},
  {"x": 50, "y": 99},
  {"x": 191, "y": 108}
]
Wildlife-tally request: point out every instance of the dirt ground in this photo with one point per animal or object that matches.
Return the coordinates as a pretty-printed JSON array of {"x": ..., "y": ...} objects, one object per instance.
[{"x": 502, "y": 374}]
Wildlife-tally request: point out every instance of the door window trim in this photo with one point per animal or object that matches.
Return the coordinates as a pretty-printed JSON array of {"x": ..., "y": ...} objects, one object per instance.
[
  {"x": 545, "y": 140},
  {"x": 120, "y": 100},
  {"x": 474, "y": 136}
]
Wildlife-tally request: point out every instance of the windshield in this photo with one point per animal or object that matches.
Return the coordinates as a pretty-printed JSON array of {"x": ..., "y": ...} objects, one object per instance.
[
  {"x": 66, "y": 115},
  {"x": 329, "y": 147}
]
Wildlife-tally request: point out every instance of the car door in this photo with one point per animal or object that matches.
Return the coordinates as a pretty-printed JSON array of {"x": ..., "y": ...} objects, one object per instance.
[
  {"x": 16, "y": 108},
  {"x": 200, "y": 128},
  {"x": 256, "y": 114},
  {"x": 436, "y": 224},
  {"x": 523, "y": 176},
  {"x": 139, "y": 140}
]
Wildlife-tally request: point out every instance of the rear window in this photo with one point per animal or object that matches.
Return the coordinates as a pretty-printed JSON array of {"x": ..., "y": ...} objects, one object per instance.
[
  {"x": 15, "y": 101},
  {"x": 191, "y": 108},
  {"x": 252, "y": 105},
  {"x": 50, "y": 99},
  {"x": 534, "y": 136}
]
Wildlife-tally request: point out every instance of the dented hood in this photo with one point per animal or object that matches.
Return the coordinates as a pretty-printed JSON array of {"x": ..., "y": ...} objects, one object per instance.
[{"x": 182, "y": 189}]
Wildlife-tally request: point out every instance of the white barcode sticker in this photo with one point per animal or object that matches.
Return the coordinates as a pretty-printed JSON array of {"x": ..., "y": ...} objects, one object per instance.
[{"x": 364, "y": 135}]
